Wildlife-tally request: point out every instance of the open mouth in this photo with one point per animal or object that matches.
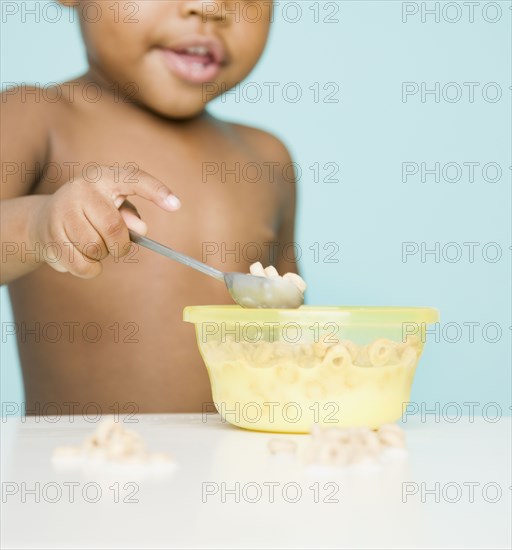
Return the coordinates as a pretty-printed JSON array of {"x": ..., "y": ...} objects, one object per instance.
[{"x": 196, "y": 62}]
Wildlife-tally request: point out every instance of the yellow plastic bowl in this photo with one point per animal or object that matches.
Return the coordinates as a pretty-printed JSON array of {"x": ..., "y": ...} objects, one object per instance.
[{"x": 284, "y": 370}]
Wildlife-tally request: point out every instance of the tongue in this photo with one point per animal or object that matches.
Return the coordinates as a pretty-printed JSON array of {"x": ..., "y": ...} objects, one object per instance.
[{"x": 194, "y": 58}]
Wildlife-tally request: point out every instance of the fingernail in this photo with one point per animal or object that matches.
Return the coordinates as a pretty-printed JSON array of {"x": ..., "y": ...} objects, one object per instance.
[{"x": 173, "y": 202}]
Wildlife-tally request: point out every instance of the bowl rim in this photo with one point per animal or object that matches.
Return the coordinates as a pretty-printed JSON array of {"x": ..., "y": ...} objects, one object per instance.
[{"x": 367, "y": 315}]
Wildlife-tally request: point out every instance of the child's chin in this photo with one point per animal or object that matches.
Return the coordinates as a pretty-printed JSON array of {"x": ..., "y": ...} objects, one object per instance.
[{"x": 177, "y": 112}]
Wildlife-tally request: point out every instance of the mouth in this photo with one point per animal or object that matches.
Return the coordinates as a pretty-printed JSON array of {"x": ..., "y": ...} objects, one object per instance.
[{"x": 197, "y": 60}]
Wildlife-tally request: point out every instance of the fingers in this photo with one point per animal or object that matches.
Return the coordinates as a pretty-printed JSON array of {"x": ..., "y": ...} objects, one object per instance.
[
  {"x": 80, "y": 266},
  {"x": 146, "y": 186},
  {"x": 127, "y": 205},
  {"x": 133, "y": 221},
  {"x": 86, "y": 238},
  {"x": 92, "y": 221},
  {"x": 132, "y": 218},
  {"x": 74, "y": 260},
  {"x": 71, "y": 260},
  {"x": 110, "y": 226}
]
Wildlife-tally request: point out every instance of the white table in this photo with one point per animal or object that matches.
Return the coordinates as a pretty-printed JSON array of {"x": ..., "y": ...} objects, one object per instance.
[{"x": 182, "y": 509}]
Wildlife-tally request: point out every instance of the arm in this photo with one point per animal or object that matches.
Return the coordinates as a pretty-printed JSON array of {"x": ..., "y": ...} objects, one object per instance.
[
  {"x": 24, "y": 142},
  {"x": 76, "y": 227},
  {"x": 20, "y": 254},
  {"x": 287, "y": 260},
  {"x": 288, "y": 247}
]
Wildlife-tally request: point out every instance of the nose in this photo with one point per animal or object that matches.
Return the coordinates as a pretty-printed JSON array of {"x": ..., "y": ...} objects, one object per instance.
[{"x": 207, "y": 10}]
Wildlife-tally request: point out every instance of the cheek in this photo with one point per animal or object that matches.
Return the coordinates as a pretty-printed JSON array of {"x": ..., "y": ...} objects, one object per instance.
[
  {"x": 117, "y": 38},
  {"x": 106, "y": 45},
  {"x": 249, "y": 42}
]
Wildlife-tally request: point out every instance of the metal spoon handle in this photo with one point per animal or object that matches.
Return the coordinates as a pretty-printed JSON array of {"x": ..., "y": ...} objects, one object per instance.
[{"x": 170, "y": 253}]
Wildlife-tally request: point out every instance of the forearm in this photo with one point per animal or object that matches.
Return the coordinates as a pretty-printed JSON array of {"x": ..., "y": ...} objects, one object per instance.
[{"x": 20, "y": 253}]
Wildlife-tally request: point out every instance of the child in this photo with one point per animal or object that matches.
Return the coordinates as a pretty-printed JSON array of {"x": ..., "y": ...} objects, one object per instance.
[{"x": 99, "y": 322}]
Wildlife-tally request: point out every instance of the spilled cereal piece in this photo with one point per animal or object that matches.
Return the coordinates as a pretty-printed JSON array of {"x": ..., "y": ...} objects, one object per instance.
[
  {"x": 338, "y": 447},
  {"x": 111, "y": 442}
]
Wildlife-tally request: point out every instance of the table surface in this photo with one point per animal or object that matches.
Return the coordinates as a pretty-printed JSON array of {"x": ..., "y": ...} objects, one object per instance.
[{"x": 452, "y": 490}]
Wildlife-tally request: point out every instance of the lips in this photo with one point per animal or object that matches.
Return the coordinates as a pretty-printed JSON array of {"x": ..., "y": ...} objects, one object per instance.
[{"x": 195, "y": 60}]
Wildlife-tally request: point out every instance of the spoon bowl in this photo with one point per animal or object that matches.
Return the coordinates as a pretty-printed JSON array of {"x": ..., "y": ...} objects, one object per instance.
[{"x": 251, "y": 291}]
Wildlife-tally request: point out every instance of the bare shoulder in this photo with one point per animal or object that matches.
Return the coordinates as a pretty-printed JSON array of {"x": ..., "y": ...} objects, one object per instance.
[
  {"x": 269, "y": 148},
  {"x": 25, "y": 129},
  {"x": 265, "y": 144},
  {"x": 33, "y": 110},
  {"x": 26, "y": 105},
  {"x": 270, "y": 151}
]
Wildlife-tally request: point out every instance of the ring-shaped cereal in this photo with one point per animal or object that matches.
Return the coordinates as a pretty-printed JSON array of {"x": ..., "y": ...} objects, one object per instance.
[
  {"x": 380, "y": 351},
  {"x": 337, "y": 356}
]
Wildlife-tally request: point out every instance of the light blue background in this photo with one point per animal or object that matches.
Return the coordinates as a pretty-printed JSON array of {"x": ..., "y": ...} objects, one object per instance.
[{"x": 370, "y": 212}]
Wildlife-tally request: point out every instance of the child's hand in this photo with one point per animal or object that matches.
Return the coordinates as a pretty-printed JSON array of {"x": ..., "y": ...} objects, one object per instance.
[{"x": 85, "y": 222}]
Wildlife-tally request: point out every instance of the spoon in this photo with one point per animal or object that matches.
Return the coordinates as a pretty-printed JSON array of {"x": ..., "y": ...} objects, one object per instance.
[{"x": 248, "y": 291}]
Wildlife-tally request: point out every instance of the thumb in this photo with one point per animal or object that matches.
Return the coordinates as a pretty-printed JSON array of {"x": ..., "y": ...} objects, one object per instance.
[{"x": 132, "y": 220}]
